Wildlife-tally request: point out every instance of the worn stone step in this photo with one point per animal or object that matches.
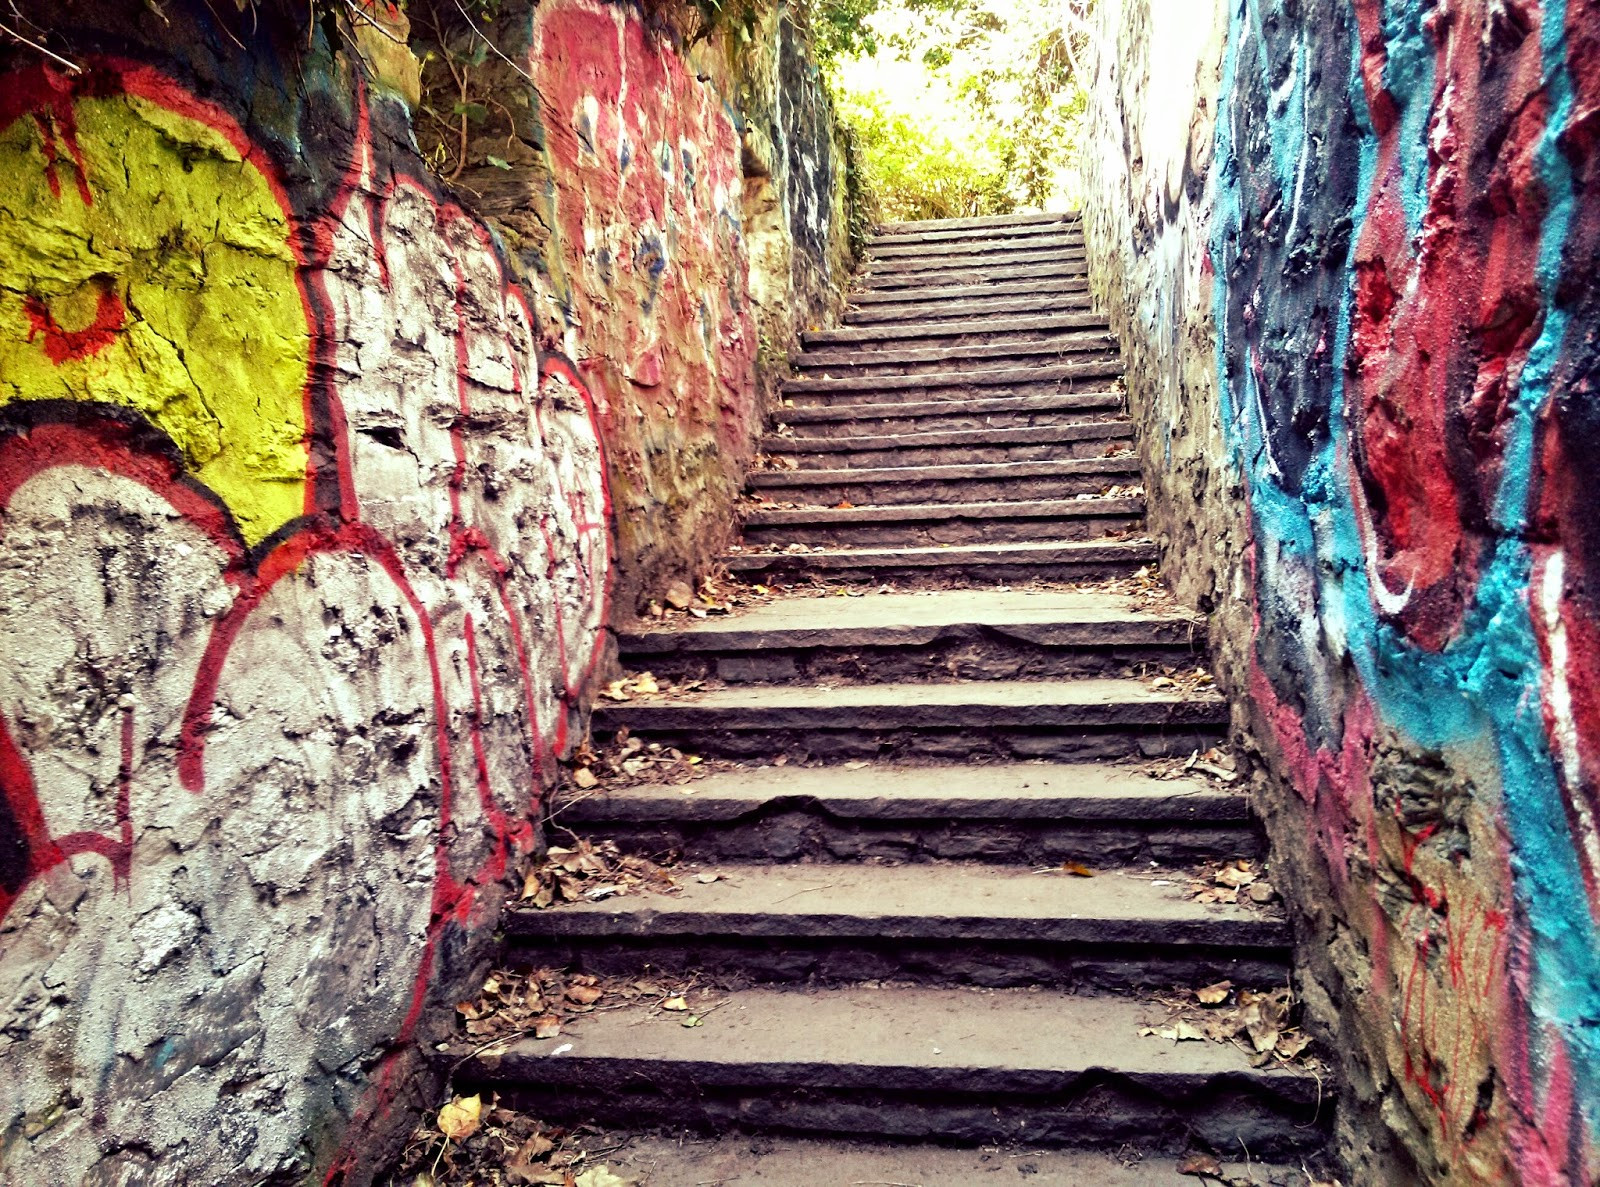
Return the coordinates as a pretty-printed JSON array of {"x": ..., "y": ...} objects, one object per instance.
[
  {"x": 678, "y": 1160},
  {"x": 1036, "y": 253},
  {"x": 1031, "y": 814},
  {"x": 1043, "y": 378},
  {"x": 945, "y": 244},
  {"x": 957, "y": 566},
  {"x": 997, "y": 412},
  {"x": 936, "y": 923},
  {"x": 980, "y": 329},
  {"x": 929, "y": 524},
  {"x": 1022, "y": 233},
  {"x": 1082, "y": 439},
  {"x": 1090, "y": 719},
  {"x": 978, "y": 275},
  {"x": 968, "y": 356},
  {"x": 953, "y": 1065},
  {"x": 1071, "y": 297},
  {"x": 984, "y": 223},
  {"x": 942, "y": 295},
  {"x": 947, "y": 484},
  {"x": 948, "y": 634}
]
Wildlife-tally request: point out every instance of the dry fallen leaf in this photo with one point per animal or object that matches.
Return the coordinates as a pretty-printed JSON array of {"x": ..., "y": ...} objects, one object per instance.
[
  {"x": 584, "y": 778},
  {"x": 1214, "y": 995},
  {"x": 707, "y": 879},
  {"x": 547, "y": 1026},
  {"x": 1200, "y": 1164},
  {"x": 645, "y": 682},
  {"x": 1290, "y": 1045},
  {"x": 584, "y": 995},
  {"x": 602, "y": 1176},
  {"x": 459, "y": 1119},
  {"x": 1076, "y": 869},
  {"x": 1261, "y": 892},
  {"x": 1237, "y": 876},
  {"x": 675, "y": 1004}
]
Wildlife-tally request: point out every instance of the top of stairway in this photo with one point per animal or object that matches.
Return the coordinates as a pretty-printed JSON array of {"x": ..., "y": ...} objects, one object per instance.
[{"x": 983, "y": 223}]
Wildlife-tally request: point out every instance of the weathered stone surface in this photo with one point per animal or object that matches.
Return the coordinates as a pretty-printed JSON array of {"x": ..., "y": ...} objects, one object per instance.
[
  {"x": 307, "y": 527},
  {"x": 953, "y": 483},
  {"x": 994, "y": 328},
  {"x": 909, "y": 1063},
  {"x": 945, "y": 523},
  {"x": 1351, "y": 295},
  {"x": 807, "y": 1162},
  {"x": 958, "y": 565}
]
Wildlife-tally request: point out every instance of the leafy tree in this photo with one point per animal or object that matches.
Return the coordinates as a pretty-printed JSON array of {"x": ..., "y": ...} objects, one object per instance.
[{"x": 1008, "y": 132}]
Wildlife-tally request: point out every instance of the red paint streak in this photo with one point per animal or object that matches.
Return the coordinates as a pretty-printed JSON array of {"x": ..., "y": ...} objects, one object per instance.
[
  {"x": 65, "y": 345},
  {"x": 1442, "y": 309}
]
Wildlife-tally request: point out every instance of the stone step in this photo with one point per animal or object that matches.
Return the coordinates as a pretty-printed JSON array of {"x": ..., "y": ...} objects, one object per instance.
[
  {"x": 968, "y": 356},
  {"x": 1020, "y": 329},
  {"x": 947, "y": 484},
  {"x": 1018, "y": 719},
  {"x": 956, "y": 566},
  {"x": 933, "y": 923},
  {"x": 1027, "y": 814},
  {"x": 931, "y": 524},
  {"x": 1068, "y": 297},
  {"x": 980, "y": 275},
  {"x": 1015, "y": 234},
  {"x": 1049, "y": 252},
  {"x": 941, "y": 295},
  {"x": 945, "y": 244},
  {"x": 952, "y": 1065},
  {"x": 1002, "y": 412},
  {"x": 943, "y": 635},
  {"x": 833, "y": 1162},
  {"x": 1038, "y": 379},
  {"x": 985, "y": 223},
  {"x": 1084, "y": 439}
]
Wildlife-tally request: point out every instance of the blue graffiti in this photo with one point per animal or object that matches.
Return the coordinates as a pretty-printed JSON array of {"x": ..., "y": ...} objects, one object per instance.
[{"x": 1483, "y": 688}]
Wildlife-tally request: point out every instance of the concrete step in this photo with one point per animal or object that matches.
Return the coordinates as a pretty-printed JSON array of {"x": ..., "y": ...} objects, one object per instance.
[
  {"x": 1048, "y": 252},
  {"x": 947, "y": 484},
  {"x": 955, "y": 333},
  {"x": 948, "y": 634},
  {"x": 1025, "y": 814},
  {"x": 906, "y": 247},
  {"x": 955, "y": 566},
  {"x": 1022, "y": 233},
  {"x": 1001, "y": 412},
  {"x": 1017, "y": 719},
  {"x": 679, "y": 1160},
  {"x": 1038, "y": 443},
  {"x": 978, "y": 274},
  {"x": 930, "y": 524},
  {"x": 952, "y": 1065},
  {"x": 1043, "y": 378},
  {"x": 932, "y": 923},
  {"x": 959, "y": 357},
  {"x": 1067, "y": 297}
]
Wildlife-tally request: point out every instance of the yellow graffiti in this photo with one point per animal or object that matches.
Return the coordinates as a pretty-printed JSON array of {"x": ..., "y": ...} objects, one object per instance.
[{"x": 172, "y": 292}]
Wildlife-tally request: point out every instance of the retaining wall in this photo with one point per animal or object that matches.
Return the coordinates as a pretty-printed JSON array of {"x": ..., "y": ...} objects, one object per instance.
[{"x": 1351, "y": 250}]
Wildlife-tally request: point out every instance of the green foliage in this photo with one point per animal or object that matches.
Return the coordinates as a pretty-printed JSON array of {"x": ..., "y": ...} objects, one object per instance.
[
  {"x": 985, "y": 108},
  {"x": 914, "y": 172}
]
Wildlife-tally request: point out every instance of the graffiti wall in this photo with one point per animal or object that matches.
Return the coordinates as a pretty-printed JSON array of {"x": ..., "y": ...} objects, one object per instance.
[
  {"x": 304, "y": 557},
  {"x": 1355, "y": 246},
  {"x": 675, "y": 195}
]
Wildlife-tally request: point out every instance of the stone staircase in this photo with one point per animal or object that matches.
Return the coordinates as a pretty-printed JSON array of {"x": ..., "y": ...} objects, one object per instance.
[{"x": 908, "y": 958}]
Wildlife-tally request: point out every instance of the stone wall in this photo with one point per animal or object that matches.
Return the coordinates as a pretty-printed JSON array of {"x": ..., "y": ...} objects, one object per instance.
[
  {"x": 306, "y": 545},
  {"x": 1351, "y": 250},
  {"x": 675, "y": 194}
]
